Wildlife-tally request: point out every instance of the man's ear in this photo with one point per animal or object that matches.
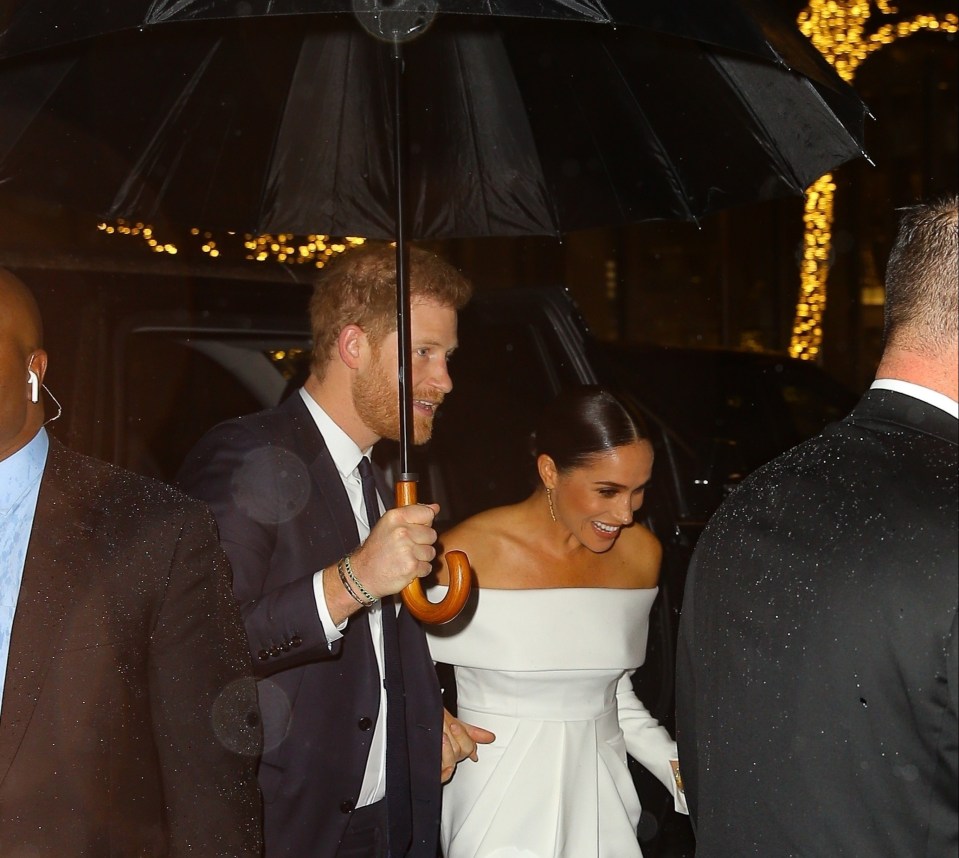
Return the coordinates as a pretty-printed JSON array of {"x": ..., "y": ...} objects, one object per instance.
[
  {"x": 38, "y": 363},
  {"x": 351, "y": 344}
]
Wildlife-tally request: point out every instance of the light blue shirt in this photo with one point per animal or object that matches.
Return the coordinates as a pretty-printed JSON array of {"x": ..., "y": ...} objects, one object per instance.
[{"x": 19, "y": 488}]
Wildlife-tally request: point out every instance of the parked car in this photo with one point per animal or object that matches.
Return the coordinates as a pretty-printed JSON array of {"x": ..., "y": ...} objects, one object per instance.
[
  {"x": 730, "y": 411},
  {"x": 144, "y": 365}
]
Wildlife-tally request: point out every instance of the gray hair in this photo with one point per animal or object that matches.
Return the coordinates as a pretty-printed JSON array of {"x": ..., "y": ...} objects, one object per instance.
[{"x": 922, "y": 279}]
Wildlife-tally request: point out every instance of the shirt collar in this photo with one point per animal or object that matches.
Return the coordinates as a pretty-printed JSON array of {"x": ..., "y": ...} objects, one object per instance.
[
  {"x": 343, "y": 450},
  {"x": 22, "y": 471},
  {"x": 917, "y": 391}
]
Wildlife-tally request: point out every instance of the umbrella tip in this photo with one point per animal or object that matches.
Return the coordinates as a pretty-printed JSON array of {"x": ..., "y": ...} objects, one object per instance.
[{"x": 395, "y": 21}]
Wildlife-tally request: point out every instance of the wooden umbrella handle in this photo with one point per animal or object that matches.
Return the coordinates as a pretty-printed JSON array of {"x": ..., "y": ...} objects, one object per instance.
[{"x": 458, "y": 565}]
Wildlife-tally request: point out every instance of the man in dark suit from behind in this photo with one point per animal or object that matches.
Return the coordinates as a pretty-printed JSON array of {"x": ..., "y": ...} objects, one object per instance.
[
  {"x": 348, "y": 770},
  {"x": 128, "y": 721},
  {"x": 817, "y": 675}
]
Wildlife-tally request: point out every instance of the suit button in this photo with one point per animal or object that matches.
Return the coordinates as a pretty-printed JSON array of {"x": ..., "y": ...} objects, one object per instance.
[
  {"x": 347, "y": 805},
  {"x": 276, "y": 651},
  {"x": 365, "y": 723},
  {"x": 263, "y": 655},
  {"x": 296, "y": 640}
]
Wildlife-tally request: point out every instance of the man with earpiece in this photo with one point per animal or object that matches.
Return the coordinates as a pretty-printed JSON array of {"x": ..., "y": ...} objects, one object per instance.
[{"x": 128, "y": 715}]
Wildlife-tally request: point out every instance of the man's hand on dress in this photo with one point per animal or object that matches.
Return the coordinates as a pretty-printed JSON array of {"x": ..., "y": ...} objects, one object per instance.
[{"x": 459, "y": 742}]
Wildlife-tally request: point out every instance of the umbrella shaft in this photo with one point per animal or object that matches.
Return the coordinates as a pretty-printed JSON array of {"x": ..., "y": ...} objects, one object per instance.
[{"x": 403, "y": 327}]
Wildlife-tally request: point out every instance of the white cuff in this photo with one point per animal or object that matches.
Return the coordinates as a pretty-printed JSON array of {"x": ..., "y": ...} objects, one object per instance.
[{"x": 332, "y": 631}]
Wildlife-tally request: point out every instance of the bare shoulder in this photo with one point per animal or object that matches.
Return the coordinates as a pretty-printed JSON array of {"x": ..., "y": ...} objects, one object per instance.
[
  {"x": 476, "y": 532},
  {"x": 486, "y": 538},
  {"x": 639, "y": 555}
]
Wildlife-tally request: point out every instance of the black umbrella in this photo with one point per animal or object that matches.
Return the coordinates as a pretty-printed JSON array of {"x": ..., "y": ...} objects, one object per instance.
[
  {"x": 286, "y": 125},
  {"x": 295, "y": 123},
  {"x": 745, "y": 25}
]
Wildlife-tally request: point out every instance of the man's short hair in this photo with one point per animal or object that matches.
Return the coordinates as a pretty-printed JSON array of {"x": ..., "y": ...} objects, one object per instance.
[
  {"x": 922, "y": 279},
  {"x": 359, "y": 288}
]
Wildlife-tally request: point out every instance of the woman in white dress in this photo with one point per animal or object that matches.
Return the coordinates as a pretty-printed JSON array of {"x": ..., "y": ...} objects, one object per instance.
[{"x": 544, "y": 650}]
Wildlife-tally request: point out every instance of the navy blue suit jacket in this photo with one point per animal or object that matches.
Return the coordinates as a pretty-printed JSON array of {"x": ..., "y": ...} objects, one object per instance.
[
  {"x": 284, "y": 514},
  {"x": 817, "y": 678}
]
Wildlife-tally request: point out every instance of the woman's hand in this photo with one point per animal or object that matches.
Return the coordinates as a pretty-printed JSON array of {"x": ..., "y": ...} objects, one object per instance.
[{"x": 459, "y": 742}]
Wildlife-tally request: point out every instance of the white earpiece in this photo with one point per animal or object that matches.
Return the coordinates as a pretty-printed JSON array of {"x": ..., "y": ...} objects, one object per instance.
[{"x": 34, "y": 383}]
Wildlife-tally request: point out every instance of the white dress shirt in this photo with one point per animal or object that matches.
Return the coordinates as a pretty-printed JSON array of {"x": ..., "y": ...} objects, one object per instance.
[
  {"x": 917, "y": 391},
  {"x": 346, "y": 456}
]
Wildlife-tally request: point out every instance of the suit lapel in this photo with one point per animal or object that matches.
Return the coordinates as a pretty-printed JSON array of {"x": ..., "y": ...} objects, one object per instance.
[
  {"x": 327, "y": 485},
  {"x": 329, "y": 490},
  {"x": 52, "y": 574}
]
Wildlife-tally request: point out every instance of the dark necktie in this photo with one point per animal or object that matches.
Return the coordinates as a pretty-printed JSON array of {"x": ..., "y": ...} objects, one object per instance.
[{"x": 398, "y": 800}]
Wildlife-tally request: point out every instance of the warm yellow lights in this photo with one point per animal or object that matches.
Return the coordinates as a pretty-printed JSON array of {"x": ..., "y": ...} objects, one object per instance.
[
  {"x": 288, "y": 361},
  {"x": 138, "y": 230},
  {"x": 283, "y": 247},
  {"x": 839, "y": 32},
  {"x": 296, "y": 250}
]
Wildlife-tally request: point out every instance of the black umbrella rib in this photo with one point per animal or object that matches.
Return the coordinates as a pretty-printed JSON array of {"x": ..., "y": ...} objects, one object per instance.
[
  {"x": 676, "y": 179},
  {"x": 340, "y": 127},
  {"x": 771, "y": 140},
  {"x": 783, "y": 163},
  {"x": 133, "y": 187},
  {"x": 473, "y": 126},
  {"x": 520, "y": 139},
  {"x": 160, "y": 11}
]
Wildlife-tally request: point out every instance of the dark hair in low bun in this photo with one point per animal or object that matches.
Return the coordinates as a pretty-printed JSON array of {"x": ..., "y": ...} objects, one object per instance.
[{"x": 583, "y": 422}]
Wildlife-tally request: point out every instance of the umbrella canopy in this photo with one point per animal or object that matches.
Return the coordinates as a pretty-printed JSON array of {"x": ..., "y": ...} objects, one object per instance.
[
  {"x": 745, "y": 25},
  {"x": 286, "y": 124}
]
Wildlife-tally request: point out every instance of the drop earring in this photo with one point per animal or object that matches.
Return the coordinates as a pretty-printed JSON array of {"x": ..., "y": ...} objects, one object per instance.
[{"x": 549, "y": 500}]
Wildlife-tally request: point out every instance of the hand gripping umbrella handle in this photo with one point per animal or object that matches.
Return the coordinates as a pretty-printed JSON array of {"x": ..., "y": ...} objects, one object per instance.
[{"x": 459, "y": 568}]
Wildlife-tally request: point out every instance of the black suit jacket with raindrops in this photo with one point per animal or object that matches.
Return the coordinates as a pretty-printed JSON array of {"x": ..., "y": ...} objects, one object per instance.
[{"x": 817, "y": 676}]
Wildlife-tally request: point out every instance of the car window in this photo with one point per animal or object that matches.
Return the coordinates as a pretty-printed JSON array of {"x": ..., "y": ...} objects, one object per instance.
[
  {"x": 502, "y": 379},
  {"x": 175, "y": 387},
  {"x": 730, "y": 412},
  {"x": 813, "y": 400}
]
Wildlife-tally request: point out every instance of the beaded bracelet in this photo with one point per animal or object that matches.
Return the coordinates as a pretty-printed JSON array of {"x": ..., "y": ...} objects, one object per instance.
[
  {"x": 347, "y": 587},
  {"x": 349, "y": 571},
  {"x": 678, "y": 778}
]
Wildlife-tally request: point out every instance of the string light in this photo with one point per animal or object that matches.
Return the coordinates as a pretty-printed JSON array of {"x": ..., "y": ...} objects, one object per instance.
[
  {"x": 139, "y": 230},
  {"x": 839, "y": 33},
  {"x": 315, "y": 250}
]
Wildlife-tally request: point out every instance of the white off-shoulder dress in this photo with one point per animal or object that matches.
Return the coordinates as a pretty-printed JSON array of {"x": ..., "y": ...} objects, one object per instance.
[{"x": 548, "y": 671}]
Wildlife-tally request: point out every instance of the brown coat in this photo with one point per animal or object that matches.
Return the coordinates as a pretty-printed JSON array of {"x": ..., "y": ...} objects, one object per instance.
[{"x": 128, "y": 725}]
